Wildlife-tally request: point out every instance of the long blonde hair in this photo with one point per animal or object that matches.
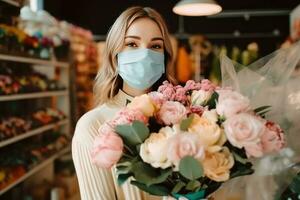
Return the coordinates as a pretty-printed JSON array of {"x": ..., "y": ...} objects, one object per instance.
[{"x": 107, "y": 82}]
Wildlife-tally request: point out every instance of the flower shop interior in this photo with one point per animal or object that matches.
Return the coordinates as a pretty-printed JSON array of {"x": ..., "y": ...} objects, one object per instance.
[{"x": 51, "y": 52}]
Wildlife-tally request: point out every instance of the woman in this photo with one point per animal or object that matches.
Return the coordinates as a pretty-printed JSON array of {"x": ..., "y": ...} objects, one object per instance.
[{"x": 137, "y": 59}]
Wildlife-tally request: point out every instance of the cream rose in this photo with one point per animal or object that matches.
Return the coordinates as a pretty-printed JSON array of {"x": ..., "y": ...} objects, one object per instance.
[
  {"x": 154, "y": 149},
  {"x": 200, "y": 97},
  {"x": 211, "y": 115},
  {"x": 231, "y": 103},
  {"x": 217, "y": 165},
  {"x": 244, "y": 130},
  {"x": 209, "y": 132},
  {"x": 144, "y": 104}
]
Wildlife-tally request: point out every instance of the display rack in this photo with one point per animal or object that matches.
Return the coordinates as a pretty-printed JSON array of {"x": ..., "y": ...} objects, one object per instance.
[
  {"x": 33, "y": 132},
  {"x": 11, "y": 2},
  {"x": 33, "y": 95},
  {"x": 37, "y": 169},
  {"x": 59, "y": 99}
]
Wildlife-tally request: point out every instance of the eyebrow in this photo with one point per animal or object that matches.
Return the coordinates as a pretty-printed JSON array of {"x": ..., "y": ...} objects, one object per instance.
[{"x": 137, "y": 37}]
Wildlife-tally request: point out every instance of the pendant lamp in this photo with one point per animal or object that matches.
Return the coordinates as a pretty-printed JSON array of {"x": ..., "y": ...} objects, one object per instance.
[{"x": 197, "y": 7}]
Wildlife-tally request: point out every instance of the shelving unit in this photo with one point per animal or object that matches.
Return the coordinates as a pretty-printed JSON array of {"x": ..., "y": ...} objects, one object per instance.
[
  {"x": 37, "y": 169},
  {"x": 33, "y": 132},
  {"x": 35, "y": 61},
  {"x": 58, "y": 99},
  {"x": 33, "y": 95},
  {"x": 11, "y": 2}
]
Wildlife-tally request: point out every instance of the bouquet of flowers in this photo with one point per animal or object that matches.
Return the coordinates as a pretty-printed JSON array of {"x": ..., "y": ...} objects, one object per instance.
[{"x": 185, "y": 141}]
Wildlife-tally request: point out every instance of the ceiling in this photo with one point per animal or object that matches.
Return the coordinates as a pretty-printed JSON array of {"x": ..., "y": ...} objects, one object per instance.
[{"x": 99, "y": 15}]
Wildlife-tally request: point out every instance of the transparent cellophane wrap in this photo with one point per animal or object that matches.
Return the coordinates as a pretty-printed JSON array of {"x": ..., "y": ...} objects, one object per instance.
[{"x": 268, "y": 81}]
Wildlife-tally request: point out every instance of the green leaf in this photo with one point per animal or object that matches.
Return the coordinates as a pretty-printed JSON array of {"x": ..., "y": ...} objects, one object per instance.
[
  {"x": 133, "y": 134},
  {"x": 184, "y": 125},
  {"x": 122, "y": 178},
  {"x": 240, "y": 169},
  {"x": 157, "y": 190},
  {"x": 213, "y": 100},
  {"x": 193, "y": 185},
  {"x": 123, "y": 169},
  {"x": 190, "y": 168},
  {"x": 261, "y": 109},
  {"x": 148, "y": 175},
  {"x": 239, "y": 158},
  {"x": 295, "y": 185},
  {"x": 178, "y": 187}
]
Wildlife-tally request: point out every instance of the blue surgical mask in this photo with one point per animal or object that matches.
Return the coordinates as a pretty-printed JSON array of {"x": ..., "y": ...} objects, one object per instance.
[{"x": 141, "y": 68}]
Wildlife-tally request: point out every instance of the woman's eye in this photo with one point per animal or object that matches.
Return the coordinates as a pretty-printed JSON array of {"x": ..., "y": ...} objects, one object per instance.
[
  {"x": 131, "y": 44},
  {"x": 156, "y": 46}
]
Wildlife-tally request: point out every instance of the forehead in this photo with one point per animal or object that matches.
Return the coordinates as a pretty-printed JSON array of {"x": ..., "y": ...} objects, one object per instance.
[{"x": 144, "y": 27}]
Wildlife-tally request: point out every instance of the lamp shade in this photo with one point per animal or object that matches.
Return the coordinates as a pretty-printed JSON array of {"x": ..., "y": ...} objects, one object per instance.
[{"x": 197, "y": 7}]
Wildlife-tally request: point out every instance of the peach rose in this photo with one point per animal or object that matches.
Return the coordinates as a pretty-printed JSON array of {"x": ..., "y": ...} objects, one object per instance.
[
  {"x": 244, "y": 130},
  {"x": 209, "y": 132},
  {"x": 154, "y": 149},
  {"x": 144, "y": 104},
  {"x": 127, "y": 116},
  {"x": 231, "y": 103},
  {"x": 107, "y": 149},
  {"x": 172, "y": 112},
  {"x": 184, "y": 144},
  {"x": 217, "y": 165}
]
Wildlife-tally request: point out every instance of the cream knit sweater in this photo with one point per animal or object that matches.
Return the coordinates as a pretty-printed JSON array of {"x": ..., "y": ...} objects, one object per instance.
[{"x": 96, "y": 183}]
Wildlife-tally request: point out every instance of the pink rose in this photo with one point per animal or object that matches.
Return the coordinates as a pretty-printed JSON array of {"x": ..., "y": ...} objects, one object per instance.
[
  {"x": 207, "y": 85},
  {"x": 172, "y": 112},
  {"x": 127, "y": 116},
  {"x": 157, "y": 99},
  {"x": 196, "y": 109},
  {"x": 244, "y": 129},
  {"x": 254, "y": 150},
  {"x": 107, "y": 150},
  {"x": 192, "y": 85},
  {"x": 184, "y": 144},
  {"x": 168, "y": 90},
  {"x": 272, "y": 139},
  {"x": 231, "y": 103},
  {"x": 180, "y": 94}
]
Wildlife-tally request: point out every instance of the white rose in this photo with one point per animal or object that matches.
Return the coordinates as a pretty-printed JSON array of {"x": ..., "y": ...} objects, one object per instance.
[
  {"x": 211, "y": 115},
  {"x": 231, "y": 103},
  {"x": 244, "y": 130},
  {"x": 200, "y": 97},
  {"x": 154, "y": 149}
]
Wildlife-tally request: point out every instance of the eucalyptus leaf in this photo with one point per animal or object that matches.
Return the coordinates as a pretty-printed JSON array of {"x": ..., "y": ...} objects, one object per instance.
[
  {"x": 133, "y": 134},
  {"x": 122, "y": 178},
  {"x": 184, "y": 125},
  {"x": 178, "y": 187},
  {"x": 190, "y": 168},
  {"x": 157, "y": 190},
  {"x": 148, "y": 175},
  {"x": 193, "y": 185}
]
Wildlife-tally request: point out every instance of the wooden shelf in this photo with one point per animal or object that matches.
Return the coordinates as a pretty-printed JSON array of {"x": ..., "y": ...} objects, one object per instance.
[
  {"x": 36, "y": 131},
  {"x": 37, "y": 168},
  {"x": 33, "y": 61},
  {"x": 33, "y": 95},
  {"x": 11, "y": 2}
]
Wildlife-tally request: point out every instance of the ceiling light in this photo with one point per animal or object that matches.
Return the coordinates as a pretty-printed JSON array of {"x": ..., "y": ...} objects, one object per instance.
[{"x": 197, "y": 7}]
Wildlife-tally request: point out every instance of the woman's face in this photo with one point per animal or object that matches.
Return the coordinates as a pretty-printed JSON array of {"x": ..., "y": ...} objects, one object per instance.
[{"x": 144, "y": 33}]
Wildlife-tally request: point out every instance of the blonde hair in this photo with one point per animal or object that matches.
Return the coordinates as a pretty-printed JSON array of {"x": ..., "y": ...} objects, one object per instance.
[{"x": 107, "y": 82}]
